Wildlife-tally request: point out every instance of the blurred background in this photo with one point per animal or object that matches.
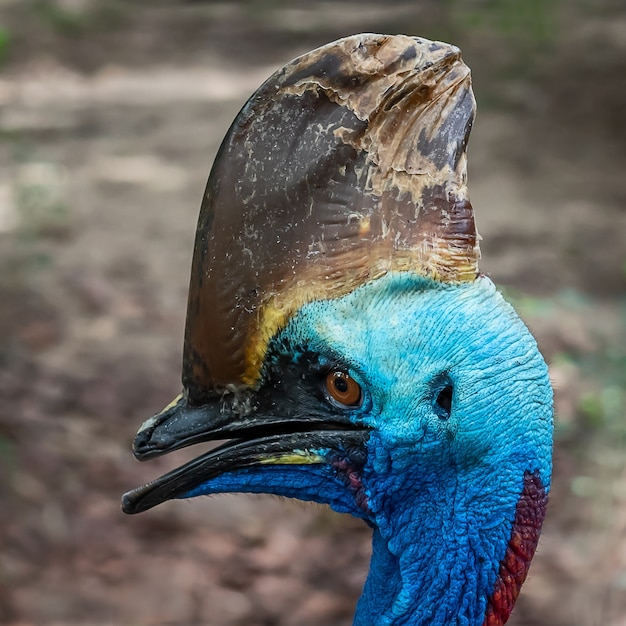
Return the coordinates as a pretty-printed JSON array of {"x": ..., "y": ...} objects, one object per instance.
[{"x": 110, "y": 114}]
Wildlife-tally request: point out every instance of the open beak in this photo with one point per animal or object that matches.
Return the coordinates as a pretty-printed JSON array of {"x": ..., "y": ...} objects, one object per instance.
[{"x": 254, "y": 440}]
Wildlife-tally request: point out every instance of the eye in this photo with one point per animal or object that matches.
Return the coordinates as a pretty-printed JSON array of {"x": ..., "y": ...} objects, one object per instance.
[
  {"x": 443, "y": 402},
  {"x": 343, "y": 389}
]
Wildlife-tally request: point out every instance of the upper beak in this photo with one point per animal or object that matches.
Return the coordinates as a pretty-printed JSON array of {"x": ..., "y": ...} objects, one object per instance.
[
  {"x": 254, "y": 440},
  {"x": 179, "y": 425}
]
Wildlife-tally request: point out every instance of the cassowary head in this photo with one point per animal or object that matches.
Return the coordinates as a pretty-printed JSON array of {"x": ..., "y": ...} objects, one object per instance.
[{"x": 340, "y": 337}]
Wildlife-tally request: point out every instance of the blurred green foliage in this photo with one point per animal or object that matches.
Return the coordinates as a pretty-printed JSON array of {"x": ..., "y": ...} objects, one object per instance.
[
  {"x": 524, "y": 23},
  {"x": 8, "y": 460},
  {"x": 604, "y": 407},
  {"x": 64, "y": 20},
  {"x": 41, "y": 214},
  {"x": 5, "y": 41},
  {"x": 80, "y": 20},
  {"x": 601, "y": 398}
]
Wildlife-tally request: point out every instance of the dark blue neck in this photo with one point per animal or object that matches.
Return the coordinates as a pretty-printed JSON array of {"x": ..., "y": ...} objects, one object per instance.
[
  {"x": 382, "y": 586},
  {"x": 433, "y": 571}
]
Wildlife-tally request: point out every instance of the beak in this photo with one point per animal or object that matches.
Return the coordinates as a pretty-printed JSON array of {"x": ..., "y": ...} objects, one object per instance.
[{"x": 254, "y": 440}]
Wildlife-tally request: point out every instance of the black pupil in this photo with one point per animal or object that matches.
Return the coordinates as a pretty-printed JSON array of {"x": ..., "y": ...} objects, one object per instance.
[
  {"x": 444, "y": 400},
  {"x": 341, "y": 385}
]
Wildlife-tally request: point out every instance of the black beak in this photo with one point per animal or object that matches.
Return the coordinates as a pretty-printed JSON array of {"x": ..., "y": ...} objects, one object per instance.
[{"x": 253, "y": 440}]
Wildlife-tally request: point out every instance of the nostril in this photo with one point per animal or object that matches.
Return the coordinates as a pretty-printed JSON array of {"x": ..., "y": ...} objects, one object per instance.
[
  {"x": 142, "y": 440},
  {"x": 146, "y": 445}
]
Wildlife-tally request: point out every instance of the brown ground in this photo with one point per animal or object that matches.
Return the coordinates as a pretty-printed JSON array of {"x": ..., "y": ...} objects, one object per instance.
[{"x": 110, "y": 114}]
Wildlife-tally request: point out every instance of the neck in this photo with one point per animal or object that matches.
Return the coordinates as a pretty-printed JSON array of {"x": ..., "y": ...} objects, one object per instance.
[
  {"x": 424, "y": 585},
  {"x": 443, "y": 572},
  {"x": 382, "y": 587}
]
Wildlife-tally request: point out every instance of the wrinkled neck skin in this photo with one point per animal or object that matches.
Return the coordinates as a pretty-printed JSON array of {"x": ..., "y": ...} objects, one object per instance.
[
  {"x": 451, "y": 544},
  {"x": 433, "y": 567}
]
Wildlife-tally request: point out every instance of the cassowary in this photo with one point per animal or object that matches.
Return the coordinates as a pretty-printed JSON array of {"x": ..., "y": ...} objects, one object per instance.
[{"x": 341, "y": 339}]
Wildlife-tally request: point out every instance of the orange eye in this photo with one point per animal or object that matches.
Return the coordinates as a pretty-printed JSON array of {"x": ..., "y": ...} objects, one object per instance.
[{"x": 343, "y": 389}]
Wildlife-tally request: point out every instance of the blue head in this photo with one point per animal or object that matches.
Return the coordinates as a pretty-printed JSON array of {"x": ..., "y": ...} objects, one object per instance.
[{"x": 445, "y": 452}]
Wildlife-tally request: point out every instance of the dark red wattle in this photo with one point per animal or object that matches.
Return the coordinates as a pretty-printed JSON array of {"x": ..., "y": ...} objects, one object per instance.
[{"x": 529, "y": 515}]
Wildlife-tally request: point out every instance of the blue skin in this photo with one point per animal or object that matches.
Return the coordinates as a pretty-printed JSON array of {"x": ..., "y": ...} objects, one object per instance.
[{"x": 441, "y": 489}]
